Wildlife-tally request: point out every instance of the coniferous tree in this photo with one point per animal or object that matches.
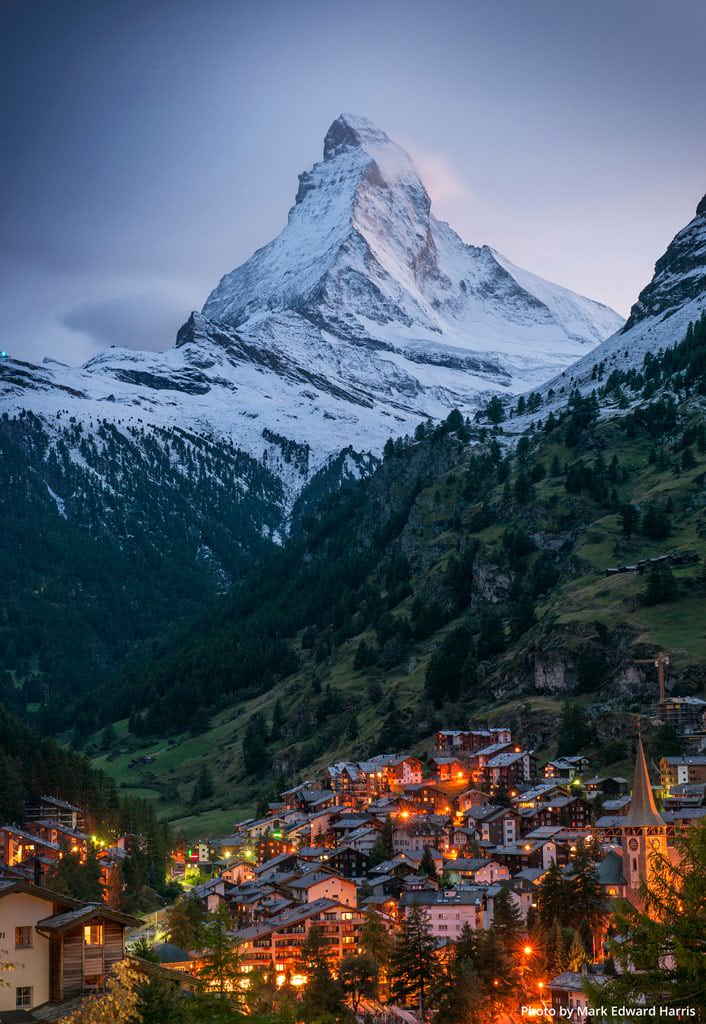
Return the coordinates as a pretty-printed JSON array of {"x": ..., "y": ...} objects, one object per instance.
[
  {"x": 629, "y": 518},
  {"x": 412, "y": 966},
  {"x": 203, "y": 787},
  {"x": 507, "y": 920},
  {"x": 586, "y": 901},
  {"x": 220, "y": 956},
  {"x": 375, "y": 938},
  {"x": 108, "y": 737},
  {"x": 576, "y": 953},
  {"x": 185, "y": 921},
  {"x": 323, "y": 994},
  {"x": 497, "y": 966},
  {"x": 556, "y": 949},
  {"x": 666, "y": 742},
  {"x": 661, "y": 586},
  {"x": 255, "y": 756},
  {"x": 277, "y": 723},
  {"x": 575, "y": 731},
  {"x": 427, "y": 865},
  {"x": 552, "y": 897},
  {"x": 538, "y": 941},
  {"x": 383, "y": 848},
  {"x": 458, "y": 994},
  {"x": 588, "y": 940},
  {"x": 159, "y": 1000},
  {"x": 71, "y": 876}
]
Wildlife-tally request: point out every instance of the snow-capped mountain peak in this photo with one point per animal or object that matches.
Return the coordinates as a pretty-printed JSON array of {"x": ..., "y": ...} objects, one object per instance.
[
  {"x": 364, "y": 260},
  {"x": 364, "y": 316}
]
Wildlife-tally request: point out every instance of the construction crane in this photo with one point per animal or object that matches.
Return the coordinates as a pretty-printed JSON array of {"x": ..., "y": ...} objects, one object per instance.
[{"x": 660, "y": 662}]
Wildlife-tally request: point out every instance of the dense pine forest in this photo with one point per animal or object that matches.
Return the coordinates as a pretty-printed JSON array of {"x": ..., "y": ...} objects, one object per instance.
[{"x": 116, "y": 536}]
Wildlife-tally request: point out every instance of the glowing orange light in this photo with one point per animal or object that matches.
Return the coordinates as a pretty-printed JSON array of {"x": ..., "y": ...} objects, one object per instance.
[{"x": 528, "y": 951}]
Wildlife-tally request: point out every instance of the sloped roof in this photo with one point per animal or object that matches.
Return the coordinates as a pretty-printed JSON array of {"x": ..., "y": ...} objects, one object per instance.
[
  {"x": 169, "y": 953},
  {"x": 22, "y": 885},
  {"x": 642, "y": 811},
  {"x": 610, "y": 870},
  {"x": 62, "y": 922}
]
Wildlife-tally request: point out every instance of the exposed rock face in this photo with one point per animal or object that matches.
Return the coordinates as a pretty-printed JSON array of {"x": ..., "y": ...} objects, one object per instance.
[
  {"x": 680, "y": 274},
  {"x": 674, "y": 298},
  {"x": 550, "y": 675}
]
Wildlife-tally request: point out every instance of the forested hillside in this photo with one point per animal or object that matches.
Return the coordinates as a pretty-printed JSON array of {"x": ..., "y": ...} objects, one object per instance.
[
  {"x": 110, "y": 536},
  {"x": 465, "y": 577}
]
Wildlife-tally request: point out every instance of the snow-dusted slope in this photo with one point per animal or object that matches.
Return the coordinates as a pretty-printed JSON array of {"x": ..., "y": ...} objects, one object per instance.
[
  {"x": 364, "y": 316},
  {"x": 675, "y": 296}
]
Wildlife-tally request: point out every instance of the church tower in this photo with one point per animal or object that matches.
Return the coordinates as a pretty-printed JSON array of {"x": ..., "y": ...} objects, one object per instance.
[{"x": 644, "y": 833}]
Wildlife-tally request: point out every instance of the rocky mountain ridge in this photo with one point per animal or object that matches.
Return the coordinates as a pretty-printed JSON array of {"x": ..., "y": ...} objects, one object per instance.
[{"x": 363, "y": 317}]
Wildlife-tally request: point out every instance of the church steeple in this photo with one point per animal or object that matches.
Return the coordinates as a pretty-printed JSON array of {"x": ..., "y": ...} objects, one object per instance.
[
  {"x": 643, "y": 833},
  {"x": 643, "y": 810}
]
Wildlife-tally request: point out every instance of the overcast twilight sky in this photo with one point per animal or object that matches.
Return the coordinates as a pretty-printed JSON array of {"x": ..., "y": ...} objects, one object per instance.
[{"x": 149, "y": 146}]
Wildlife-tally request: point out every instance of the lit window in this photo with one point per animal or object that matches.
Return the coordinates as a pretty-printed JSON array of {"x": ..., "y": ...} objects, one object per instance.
[
  {"x": 93, "y": 935},
  {"x": 23, "y": 937},
  {"x": 23, "y": 997}
]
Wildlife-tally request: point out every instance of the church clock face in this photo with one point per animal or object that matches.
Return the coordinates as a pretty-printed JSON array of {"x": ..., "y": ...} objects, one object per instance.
[{"x": 633, "y": 844}]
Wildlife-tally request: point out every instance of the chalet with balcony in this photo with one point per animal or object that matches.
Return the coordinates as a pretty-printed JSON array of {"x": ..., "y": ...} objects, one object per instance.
[
  {"x": 274, "y": 946},
  {"x": 349, "y": 861},
  {"x": 456, "y": 741},
  {"x": 51, "y": 808},
  {"x": 446, "y": 768},
  {"x": 27, "y": 853},
  {"x": 682, "y": 771},
  {"x": 510, "y": 769},
  {"x": 566, "y": 767}
]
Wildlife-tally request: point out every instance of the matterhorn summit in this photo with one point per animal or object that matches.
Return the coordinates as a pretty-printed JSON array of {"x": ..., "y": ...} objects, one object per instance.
[
  {"x": 394, "y": 297},
  {"x": 364, "y": 316}
]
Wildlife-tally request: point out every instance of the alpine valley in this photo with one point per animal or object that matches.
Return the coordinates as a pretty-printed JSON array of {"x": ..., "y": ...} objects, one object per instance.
[{"x": 375, "y": 486}]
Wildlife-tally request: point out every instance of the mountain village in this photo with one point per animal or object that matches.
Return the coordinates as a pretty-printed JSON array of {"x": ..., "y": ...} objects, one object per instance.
[{"x": 452, "y": 834}]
